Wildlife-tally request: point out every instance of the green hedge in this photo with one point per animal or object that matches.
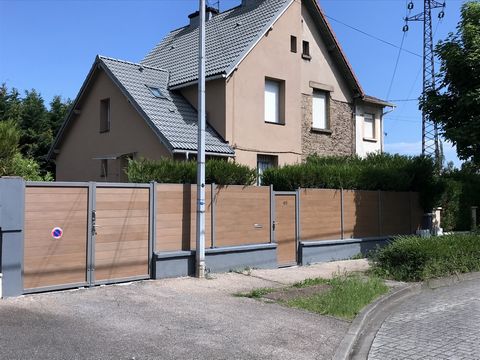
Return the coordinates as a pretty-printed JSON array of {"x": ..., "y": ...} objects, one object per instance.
[
  {"x": 375, "y": 172},
  {"x": 462, "y": 190},
  {"x": 185, "y": 172},
  {"x": 413, "y": 258}
]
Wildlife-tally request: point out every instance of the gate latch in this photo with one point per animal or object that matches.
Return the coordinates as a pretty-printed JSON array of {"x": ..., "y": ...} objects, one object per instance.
[{"x": 94, "y": 226}]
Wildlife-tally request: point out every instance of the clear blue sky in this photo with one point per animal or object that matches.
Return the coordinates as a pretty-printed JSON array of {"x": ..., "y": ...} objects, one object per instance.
[{"x": 50, "y": 46}]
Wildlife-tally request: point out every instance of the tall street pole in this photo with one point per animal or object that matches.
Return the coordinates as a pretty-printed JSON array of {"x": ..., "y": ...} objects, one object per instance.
[{"x": 200, "y": 248}]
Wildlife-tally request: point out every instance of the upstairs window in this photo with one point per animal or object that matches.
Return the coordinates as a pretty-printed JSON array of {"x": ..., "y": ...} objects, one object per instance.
[
  {"x": 320, "y": 111},
  {"x": 369, "y": 126},
  {"x": 274, "y": 101},
  {"x": 104, "y": 115},
  {"x": 306, "y": 50},
  {"x": 293, "y": 44}
]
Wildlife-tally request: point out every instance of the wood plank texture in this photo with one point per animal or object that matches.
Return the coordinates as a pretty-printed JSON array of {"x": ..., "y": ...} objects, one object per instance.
[
  {"x": 416, "y": 212},
  {"x": 320, "y": 214},
  {"x": 361, "y": 216},
  {"x": 242, "y": 215},
  {"x": 50, "y": 262},
  {"x": 395, "y": 210},
  {"x": 121, "y": 242},
  {"x": 176, "y": 217},
  {"x": 285, "y": 229}
]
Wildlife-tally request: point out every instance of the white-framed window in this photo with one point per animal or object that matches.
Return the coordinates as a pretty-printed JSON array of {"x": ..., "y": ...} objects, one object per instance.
[
  {"x": 274, "y": 98},
  {"x": 369, "y": 126},
  {"x": 263, "y": 163},
  {"x": 320, "y": 110}
]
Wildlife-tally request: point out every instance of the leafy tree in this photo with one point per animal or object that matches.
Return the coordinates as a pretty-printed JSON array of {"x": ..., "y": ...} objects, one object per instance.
[
  {"x": 455, "y": 104},
  {"x": 12, "y": 162}
]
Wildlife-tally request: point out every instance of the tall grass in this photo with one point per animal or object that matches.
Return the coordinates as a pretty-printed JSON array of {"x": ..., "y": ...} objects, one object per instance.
[{"x": 349, "y": 294}]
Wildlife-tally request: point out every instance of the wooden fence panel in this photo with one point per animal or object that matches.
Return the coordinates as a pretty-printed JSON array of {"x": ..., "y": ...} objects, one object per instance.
[
  {"x": 320, "y": 214},
  {"x": 176, "y": 217},
  {"x": 416, "y": 212},
  {"x": 395, "y": 213},
  {"x": 242, "y": 215},
  {"x": 47, "y": 261},
  {"x": 121, "y": 242},
  {"x": 361, "y": 214}
]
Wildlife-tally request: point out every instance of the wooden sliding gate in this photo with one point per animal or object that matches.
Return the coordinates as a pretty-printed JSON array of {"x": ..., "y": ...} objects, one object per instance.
[{"x": 85, "y": 234}]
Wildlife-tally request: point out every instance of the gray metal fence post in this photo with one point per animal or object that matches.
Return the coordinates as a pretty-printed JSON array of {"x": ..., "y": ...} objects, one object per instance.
[
  {"x": 12, "y": 226},
  {"x": 153, "y": 224},
  {"x": 272, "y": 214},
  {"x": 342, "y": 225},
  {"x": 213, "y": 199},
  {"x": 474, "y": 217}
]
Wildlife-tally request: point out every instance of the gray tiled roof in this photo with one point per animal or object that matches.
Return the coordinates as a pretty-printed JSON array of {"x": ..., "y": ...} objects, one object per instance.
[
  {"x": 228, "y": 36},
  {"x": 173, "y": 117}
]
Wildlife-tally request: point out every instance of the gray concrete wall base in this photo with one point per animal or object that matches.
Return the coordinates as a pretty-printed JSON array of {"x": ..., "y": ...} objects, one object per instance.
[
  {"x": 182, "y": 263},
  {"x": 239, "y": 258},
  {"x": 323, "y": 251},
  {"x": 173, "y": 264},
  {"x": 12, "y": 212}
]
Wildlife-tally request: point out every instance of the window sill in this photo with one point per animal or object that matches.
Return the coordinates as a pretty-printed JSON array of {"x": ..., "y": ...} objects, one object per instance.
[
  {"x": 321, "y": 131},
  {"x": 306, "y": 57},
  {"x": 370, "y": 140},
  {"x": 274, "y": 123},
  {"x": 104, "y": 131}
]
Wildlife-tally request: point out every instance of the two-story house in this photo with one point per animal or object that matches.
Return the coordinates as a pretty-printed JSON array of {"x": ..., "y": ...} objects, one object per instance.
[{"x": 278, "y": 89}]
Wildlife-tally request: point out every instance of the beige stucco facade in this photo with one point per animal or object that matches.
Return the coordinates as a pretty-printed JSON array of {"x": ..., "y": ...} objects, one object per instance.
[
  {"x": 271, "y": 58},
  {"x": 83, "y": 142},
  {"x": 235, "y": 108}
]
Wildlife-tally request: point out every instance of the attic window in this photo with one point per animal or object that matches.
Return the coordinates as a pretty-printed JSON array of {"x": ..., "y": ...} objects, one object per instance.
[
  {"x": 156, "y": 92},
  {"x": 293, "y": 44},
  {"x": 306, "y": 50}
]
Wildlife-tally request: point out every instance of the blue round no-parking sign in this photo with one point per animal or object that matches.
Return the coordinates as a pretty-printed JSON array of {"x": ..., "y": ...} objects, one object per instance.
[{"x": 57, "y": 233}]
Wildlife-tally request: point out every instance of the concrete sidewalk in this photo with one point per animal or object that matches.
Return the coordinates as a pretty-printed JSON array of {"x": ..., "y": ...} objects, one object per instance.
[{"x": 182, "y": 318}]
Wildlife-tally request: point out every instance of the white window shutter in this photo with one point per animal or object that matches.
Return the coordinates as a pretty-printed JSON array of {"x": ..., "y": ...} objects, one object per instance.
[
  {"x": 369, "y": 126},
  {"x": 272, "y": 98},
  {"x": 319, "y": 111}
]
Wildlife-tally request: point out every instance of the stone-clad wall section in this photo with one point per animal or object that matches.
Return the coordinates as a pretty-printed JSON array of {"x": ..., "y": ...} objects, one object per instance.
[{"x": 340, "y": 141}]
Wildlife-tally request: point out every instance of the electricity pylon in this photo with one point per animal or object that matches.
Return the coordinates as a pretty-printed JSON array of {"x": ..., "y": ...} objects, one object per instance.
[{"x": 430, "y": 139}]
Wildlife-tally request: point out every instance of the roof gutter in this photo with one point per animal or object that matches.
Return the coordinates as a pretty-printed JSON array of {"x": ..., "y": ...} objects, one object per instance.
[
  {"x": 179, "y": 151},
  {"x": 195, "y": 82}
]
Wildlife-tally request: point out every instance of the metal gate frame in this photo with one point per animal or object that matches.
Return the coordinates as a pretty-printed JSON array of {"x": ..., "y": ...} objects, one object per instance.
[
  {"x": 90, "y": 232},
  {"x": 297, "y": 218}
]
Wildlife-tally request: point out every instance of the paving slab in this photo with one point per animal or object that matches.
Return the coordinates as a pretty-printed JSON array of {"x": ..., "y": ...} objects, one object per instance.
[{"x": 440, "y": 323}]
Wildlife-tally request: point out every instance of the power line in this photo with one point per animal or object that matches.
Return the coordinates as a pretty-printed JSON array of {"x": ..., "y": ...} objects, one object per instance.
[
  {"x": 396, "y": 67},
  {"x": 374, "y": 37}
]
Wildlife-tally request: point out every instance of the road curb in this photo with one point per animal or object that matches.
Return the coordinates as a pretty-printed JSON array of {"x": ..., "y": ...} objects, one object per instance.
[
  {"x": 361, "y": 333},
  {"x": 365, "y": 322}
]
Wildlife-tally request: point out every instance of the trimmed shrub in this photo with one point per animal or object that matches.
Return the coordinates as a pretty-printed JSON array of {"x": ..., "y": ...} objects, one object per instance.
[
  {"x": 185, "y": 172},
  {"x": 375, "y": 172},
  {"x": 411, "y": 258}
]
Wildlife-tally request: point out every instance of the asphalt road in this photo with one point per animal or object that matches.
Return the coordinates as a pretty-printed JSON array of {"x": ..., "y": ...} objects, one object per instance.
[
  {"x": 166, "y": 319},
  {"x": 443, "y": 323}
]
